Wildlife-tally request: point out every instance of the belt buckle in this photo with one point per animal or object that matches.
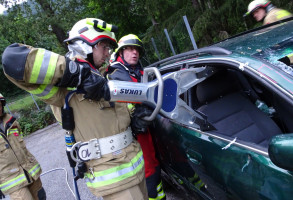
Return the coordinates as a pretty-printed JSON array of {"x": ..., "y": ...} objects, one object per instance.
[
  {"x": 89, "y": 150},
  {"x": 96, "y": 148}
]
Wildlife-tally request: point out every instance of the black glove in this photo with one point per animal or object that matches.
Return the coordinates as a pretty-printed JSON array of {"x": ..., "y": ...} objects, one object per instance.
[
  {"x": 285, "y": 60},
  {"x": 2, "y": 196},
  {"x": 138, "y": 124},
  {"x": 81, "y": 169},
  {"x": 81, "y": 75}
]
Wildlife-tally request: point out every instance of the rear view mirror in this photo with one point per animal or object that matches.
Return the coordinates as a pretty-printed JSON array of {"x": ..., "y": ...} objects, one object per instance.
[{"x": 281, "y": 151}]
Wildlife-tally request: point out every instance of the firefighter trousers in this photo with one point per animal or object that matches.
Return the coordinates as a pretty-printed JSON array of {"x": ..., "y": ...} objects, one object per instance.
[
  {"x": 137, "y": 192},
  {"x": 33, "y": 191}
]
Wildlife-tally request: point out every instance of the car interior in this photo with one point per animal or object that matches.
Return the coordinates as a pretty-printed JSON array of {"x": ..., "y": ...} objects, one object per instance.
[{"x": 229, "y": 100}]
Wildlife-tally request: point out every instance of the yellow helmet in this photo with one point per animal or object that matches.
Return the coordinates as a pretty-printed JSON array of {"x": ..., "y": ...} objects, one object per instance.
[
  {"x": 255, "y": 5},
  {"x": 91, "y": 31},
  {"x": 130, "y": 40},
  {"x": 2, "y": 99}
]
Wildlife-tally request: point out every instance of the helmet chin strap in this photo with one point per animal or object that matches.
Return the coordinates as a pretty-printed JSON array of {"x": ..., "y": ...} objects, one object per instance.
[{"x": 122, "y": 57}]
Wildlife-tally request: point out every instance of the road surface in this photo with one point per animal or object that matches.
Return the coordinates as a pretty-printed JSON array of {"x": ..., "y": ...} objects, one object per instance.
[{"x": 48, "y": 146}]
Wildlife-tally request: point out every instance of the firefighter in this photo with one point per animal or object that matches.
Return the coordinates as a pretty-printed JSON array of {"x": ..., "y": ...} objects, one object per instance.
[
  {"x": 19, "y": 170},
  {"x": 265, "y": 11},
  {"x": 125, "y": 66},
  {"x": 114, "y": 169}
]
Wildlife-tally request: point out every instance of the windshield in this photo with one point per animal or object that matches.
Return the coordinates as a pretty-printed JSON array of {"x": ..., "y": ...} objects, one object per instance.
[{"x": 257, "y": 41}]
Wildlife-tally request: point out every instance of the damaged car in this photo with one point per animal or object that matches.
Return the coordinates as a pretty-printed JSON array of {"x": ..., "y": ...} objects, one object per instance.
[{"x": 233, "y": 133}]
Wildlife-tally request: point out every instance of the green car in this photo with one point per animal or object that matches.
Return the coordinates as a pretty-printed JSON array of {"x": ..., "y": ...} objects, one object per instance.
[{"x": 232, "y": 137}]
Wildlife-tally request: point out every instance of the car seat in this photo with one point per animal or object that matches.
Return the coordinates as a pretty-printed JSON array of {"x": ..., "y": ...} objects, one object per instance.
[{"x": 229, "y": 109}]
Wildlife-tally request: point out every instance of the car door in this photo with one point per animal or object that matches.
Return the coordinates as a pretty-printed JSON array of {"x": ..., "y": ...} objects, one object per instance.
[{"x": 229, "y": 167}]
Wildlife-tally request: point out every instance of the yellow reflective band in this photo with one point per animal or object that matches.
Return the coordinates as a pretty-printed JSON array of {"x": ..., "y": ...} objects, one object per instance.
[
  {"x": 160, "y": 196},
  {"x": 37, "y": 65},
  {"x": 51, "y": 68},
  {"x": 44, "y": 67},
  {"x": 44, "y": 91},
  {"x": 100, "y": 24},
  {"x": 131, "y": 107},
  {"x": 282, "y": 13},
  {"x": 159, "y": 187},
  {"x": 35, "y": 169},
  {"x": 13, "y": 182},
  {"x": 108, "y": 27},
  {"x": 53, "y": 91},
  {"x": 116, "y": 174},
  {"x": 13, "y": 130}
]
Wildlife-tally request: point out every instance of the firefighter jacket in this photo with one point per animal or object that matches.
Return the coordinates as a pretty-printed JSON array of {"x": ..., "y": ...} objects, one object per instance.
[
  {"x": 122, "y": 71},
  {"x": 38, "y": 71},
  {"x": 276, "y": 14},
  {"x": 18, "y": 167}
]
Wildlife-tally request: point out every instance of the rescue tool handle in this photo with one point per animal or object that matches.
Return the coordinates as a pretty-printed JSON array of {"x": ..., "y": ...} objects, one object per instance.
[{"x": 160, "y": 91}]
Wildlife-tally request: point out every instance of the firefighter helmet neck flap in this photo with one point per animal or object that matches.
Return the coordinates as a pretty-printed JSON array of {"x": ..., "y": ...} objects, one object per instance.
[{"x": 88, "y": 32}]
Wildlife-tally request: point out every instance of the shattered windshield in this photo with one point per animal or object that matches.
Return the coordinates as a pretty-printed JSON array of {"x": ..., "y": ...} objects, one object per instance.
[
  {"x": 276, "y": 54},
  {"x": 271, "y": 44},
  {"x": 255, "y": 41}
]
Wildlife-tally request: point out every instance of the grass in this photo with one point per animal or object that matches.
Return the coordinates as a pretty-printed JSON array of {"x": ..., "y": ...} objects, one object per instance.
[
  {"x": 30, "y": 118},
  {"x": 25, "y": 101}
]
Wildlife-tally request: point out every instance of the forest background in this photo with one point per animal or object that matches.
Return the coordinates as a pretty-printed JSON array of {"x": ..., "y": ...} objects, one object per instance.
[{"x": 45, "y": 24}]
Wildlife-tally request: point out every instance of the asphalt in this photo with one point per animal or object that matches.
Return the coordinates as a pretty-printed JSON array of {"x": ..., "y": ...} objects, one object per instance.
[{"x": 48, "y": 146}]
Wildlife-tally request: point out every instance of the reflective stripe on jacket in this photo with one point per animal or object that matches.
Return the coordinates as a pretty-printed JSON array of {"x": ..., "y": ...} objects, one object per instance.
[
  {"x": 276, "y": 14},
  {"x": 93, "y": 119},
  {"x": 115, "y": 174},
  {"x": 15, "y": 159}
]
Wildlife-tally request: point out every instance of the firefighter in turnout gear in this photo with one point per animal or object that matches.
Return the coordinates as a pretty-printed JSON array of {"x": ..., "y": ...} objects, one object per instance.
[
  {"x": 125, "y": 66},
  {"x": 265, "y": 11},
  {"x": 117, "y": 172},
  {"x": 19, "y": 170}
]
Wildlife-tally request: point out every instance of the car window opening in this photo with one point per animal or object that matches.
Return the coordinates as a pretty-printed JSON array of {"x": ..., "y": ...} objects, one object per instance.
[{"x": 240, "y": 107}]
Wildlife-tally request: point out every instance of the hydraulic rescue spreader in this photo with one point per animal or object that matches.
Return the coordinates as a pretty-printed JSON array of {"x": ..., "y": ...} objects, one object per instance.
[{"x": 162, "y": 94}]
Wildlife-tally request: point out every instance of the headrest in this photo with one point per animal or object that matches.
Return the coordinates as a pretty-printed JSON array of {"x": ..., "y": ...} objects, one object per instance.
[{"x": 216, "y": 86}]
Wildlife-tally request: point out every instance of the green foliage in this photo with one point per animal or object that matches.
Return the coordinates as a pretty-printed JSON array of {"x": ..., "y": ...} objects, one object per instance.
[
  {"x": 128, "y": 15},
  {"x": 44, "y": 23},
  {"x": 32, "y": 120}
]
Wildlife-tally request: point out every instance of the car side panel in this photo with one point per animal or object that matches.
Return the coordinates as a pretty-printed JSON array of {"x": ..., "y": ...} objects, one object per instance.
[{"x": 230, "y": 172}]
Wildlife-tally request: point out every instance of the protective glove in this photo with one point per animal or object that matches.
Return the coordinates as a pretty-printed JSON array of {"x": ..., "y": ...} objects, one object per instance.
[
  {"x": 81, "y": 75},
  {"x": 81, "y": 169},
  {"x": 2, "y": 196},
  {"x": 285, "y": 60},
  {"x": 138, "y": 124}
]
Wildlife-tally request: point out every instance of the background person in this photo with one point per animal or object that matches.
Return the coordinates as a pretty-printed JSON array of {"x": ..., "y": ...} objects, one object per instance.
[
  {"x": 118, "y": 174},
  {"x": 265, "y": 11},
  {"x": 125, "y": 66},
  {"x": 19, "y": 170}
]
